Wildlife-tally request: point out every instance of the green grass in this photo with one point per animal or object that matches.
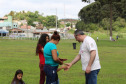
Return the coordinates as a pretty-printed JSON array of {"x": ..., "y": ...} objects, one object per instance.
[{"x": 20, "y": 54}]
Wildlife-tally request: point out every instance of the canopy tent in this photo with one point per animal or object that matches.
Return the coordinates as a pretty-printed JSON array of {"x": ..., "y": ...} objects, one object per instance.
[{"x": 3, "y": 31}]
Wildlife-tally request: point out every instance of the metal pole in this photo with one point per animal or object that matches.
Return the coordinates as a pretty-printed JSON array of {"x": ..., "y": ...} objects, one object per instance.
[
  {"x": 56, "y": 18},
  {"x": 27, "y": 30},
  {"x": 64, "y": 16}
]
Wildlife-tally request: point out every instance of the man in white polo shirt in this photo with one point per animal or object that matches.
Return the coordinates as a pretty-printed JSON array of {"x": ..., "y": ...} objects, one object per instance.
[{"x": 89, "y": 57}]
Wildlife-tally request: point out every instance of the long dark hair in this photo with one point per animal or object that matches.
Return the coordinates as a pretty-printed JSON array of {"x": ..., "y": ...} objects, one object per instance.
[
  {"x": 55, "y": 36},
  {"x": 15, "y": 77},
  {"x": 41, "y": 42}
]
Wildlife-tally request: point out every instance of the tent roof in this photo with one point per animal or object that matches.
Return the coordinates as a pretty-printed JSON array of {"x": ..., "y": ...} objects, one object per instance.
[{"x": 3, "y": 31}]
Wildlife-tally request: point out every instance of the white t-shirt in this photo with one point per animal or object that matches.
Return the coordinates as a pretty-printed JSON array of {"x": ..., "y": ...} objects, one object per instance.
[
  {"x": 88, "y": 45},
  {"x": 97, "y": 37}
]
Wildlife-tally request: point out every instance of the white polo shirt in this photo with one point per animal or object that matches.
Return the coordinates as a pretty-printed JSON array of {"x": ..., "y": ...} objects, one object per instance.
[{"x": 88, "y": 45}]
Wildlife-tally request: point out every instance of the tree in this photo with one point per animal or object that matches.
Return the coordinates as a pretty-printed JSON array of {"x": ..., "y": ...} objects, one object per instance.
[
  {"x": 68, "y": 24},
  {"x": 81, "y": 26},
  {"x": 30, "y": 22},
  {"x": 50, "y": 21},
  {"x": 91, "y": 13},
  {"x": 119, "y": 24},
  {"x": 105, "y": 23},
  {"x": 12, "y": 13},
  {"x": 88, "y": 1},
  {"x": 110, "y": 2}
]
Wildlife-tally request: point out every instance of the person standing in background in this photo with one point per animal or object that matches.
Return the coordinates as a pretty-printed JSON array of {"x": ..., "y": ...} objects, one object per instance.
[
  {"x": 97, "y": 38},
  {"x": 117, "y": 37},
  {"x": 39, "y": 50}
]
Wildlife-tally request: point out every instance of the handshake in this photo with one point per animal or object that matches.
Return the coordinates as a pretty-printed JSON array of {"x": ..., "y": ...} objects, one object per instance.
[{"x": 65, "y": 66}]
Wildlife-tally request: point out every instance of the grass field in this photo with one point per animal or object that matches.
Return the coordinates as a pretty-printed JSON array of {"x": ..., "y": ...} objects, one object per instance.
[{"x": 20, "y": 54}]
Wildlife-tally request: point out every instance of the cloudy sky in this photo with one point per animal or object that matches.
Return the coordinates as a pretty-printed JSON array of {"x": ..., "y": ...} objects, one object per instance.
[{"x": 64, "y": 8}]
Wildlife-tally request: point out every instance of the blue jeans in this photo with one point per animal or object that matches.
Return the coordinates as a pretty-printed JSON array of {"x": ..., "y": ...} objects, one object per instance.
[
  {"x": 56, "y": 82},
  {"x": 51, "y": 74},
  {"x": 91, "y": 78}
]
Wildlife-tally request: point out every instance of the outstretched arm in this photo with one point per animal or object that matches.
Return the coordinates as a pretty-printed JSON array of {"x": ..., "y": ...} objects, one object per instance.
[
  {"x": 62, "y": 67},
  {"x": 76, "y": 59}
]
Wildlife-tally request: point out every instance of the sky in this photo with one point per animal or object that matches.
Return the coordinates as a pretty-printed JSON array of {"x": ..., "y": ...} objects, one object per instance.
[{"x": 61, "y": 8}]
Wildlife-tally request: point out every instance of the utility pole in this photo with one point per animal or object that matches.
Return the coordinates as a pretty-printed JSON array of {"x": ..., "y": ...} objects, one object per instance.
[
  {"x": 56, "y": 18},
  {"x": 64, "y": 16},
  {"x": 64, "y": 11}
]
